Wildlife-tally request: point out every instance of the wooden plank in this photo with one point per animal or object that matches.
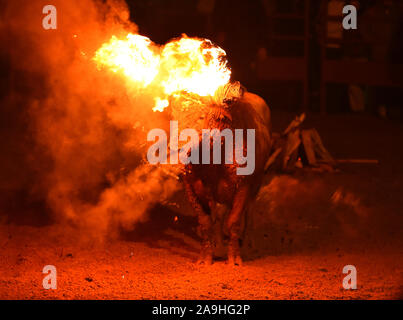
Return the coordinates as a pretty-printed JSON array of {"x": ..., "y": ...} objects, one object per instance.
[
  {"x": 308, "y": 146},
  {"x": 272, "y": 158},
  {"x": 287, "y": 16},
  {"x": 283, "y": 69},
  {"x": 361, "y": 161},
  {"x": 287, "y": 37},
  {"x": 368, "y": 73},
  {"x": 307, "y": 12},
  {"x": 293, "y": 142},
  {"x": 319, "y": 147},
  {"x": 295, "y": 123}
]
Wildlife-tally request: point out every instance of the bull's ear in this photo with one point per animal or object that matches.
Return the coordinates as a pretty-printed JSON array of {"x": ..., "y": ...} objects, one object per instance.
[{"x": 242, "y": 90}]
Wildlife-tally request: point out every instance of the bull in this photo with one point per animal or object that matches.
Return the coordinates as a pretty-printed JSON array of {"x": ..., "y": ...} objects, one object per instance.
[{"x": 208, "y": 186}]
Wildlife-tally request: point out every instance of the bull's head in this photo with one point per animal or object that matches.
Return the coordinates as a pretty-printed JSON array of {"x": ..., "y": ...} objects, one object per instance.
[
  {"x": 193, "y": 111},
  {"x": 218, "y": 115}
]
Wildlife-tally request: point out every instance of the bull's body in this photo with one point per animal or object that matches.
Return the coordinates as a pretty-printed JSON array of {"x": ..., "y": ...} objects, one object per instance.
[{"x": 210, "y": 184}]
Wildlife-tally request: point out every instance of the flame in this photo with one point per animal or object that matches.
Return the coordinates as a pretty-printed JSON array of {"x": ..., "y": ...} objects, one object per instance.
[
  {"x": 195, "y": 66},
  {"x": 133, "y": 56},
  {"x": 182, "y": 65},
  {"x": 160, "y": 104}
]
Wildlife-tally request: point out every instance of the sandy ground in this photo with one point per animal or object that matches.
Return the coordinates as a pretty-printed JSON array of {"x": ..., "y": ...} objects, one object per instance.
[
  {"x": 127, "y": 270},
  {"x": 305, "y": 228}
]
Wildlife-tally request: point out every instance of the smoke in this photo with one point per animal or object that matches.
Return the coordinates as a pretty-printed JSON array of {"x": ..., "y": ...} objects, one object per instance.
[
  {"x": 303, "y": 212},
  {"x": 84, "y": 130}
]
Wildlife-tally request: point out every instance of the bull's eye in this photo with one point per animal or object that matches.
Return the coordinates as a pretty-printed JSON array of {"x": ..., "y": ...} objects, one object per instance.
[{"x": 228, "y": 102}]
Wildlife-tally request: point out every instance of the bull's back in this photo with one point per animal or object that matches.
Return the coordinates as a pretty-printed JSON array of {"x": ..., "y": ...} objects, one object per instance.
[{"x": 252, "y": 112}]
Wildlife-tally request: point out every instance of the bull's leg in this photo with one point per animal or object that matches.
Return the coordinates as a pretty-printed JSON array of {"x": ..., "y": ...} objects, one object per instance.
[
  {"x": 218, "y": 214},
  {"x": 205, "y": 226},
  {"x": 234, "y": 226}
]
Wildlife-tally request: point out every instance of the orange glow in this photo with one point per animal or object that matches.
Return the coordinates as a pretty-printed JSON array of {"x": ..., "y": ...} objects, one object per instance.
[
  {"x": 133, "y": 57},
  {"x": 194, "y": 65},
  {"x": 160, "y": 104},
  {"x": 182, "y": 65}
]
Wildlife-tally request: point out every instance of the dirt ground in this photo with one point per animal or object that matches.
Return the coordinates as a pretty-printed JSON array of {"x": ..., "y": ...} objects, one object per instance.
[{"x": 304, "y": 228}]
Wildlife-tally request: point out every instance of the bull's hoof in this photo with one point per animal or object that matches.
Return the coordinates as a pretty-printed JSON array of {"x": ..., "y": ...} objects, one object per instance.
[
  {"x": 235, "y": 261},
  {"x": 206, "y": 253}
]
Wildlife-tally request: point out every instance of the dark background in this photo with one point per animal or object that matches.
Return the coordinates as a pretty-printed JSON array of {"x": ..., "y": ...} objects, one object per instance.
[{"x": 243, "y": 28}]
